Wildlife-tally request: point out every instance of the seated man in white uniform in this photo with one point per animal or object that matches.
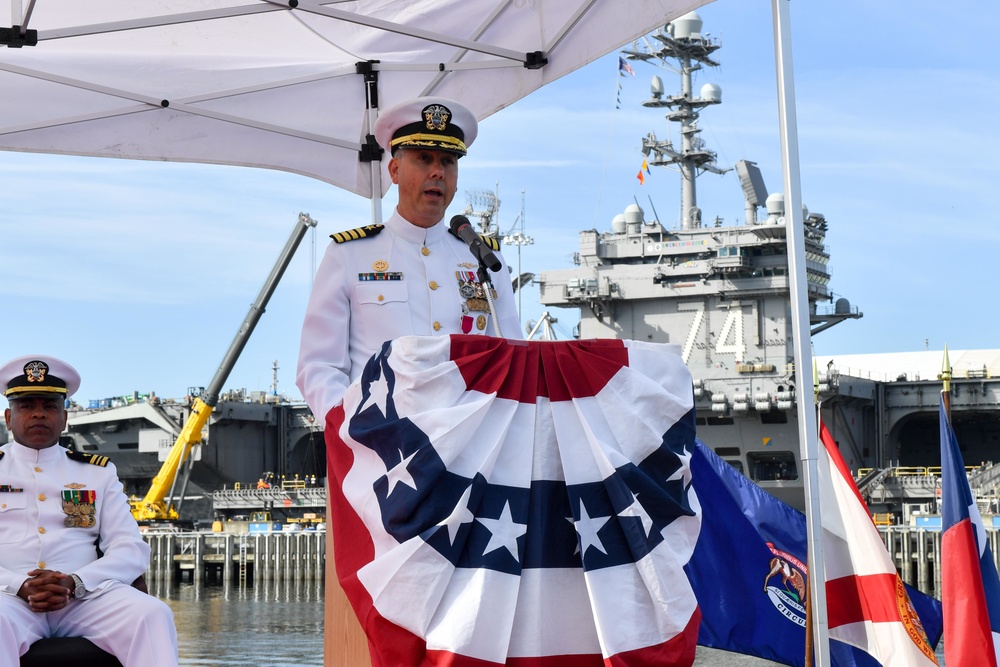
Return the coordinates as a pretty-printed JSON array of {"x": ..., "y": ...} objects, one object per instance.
[{"x": 57, "y": 509}]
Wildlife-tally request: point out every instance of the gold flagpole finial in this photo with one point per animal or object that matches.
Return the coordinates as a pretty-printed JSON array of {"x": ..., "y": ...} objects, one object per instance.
[{"x": 946, "y": 372}]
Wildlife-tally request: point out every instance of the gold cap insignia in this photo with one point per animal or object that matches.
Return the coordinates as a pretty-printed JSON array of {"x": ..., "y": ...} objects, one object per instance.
[
  {"x": 436, "y": 116},
  {"x": 35, "y": 371}
]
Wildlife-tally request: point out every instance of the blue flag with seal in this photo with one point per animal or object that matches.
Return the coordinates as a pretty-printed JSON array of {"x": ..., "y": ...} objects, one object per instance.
[{"x": 749, "y": 572}]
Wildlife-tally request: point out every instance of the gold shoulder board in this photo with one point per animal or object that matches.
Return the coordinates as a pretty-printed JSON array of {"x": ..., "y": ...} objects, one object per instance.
[
  {"x": 359, "y": 233},
  {"x": 492, "y": 242},
  {"x": 92, "y": 459}
]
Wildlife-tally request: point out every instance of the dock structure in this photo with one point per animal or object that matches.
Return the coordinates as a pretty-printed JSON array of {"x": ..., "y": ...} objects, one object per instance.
[
  {"x": 236, "y": 559},
  {"x": 290, "y": 498},
  {"x": 916, "y": 552}
]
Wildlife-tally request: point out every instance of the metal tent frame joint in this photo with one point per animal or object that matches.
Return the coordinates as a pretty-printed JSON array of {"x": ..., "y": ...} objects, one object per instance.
[
  {"x": 535, "y": 60},
  {"x": 15, "y": 37},
  {"x": 370, "y": 150}
]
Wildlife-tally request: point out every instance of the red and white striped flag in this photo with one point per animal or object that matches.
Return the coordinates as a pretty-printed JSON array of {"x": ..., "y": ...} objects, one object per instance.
[
  {"x": 518, "y": 503},
  {"x": 866, "y": 601}
]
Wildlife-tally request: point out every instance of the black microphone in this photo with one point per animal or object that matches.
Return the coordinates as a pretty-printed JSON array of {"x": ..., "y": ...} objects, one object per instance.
[{"x": 462, "y": 228}]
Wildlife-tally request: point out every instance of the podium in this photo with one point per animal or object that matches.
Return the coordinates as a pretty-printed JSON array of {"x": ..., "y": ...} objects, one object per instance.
[{"x": 495, "y": 500}]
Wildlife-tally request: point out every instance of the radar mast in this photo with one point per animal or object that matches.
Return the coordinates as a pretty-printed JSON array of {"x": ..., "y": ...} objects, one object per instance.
[{"x": 683, "y": 42}]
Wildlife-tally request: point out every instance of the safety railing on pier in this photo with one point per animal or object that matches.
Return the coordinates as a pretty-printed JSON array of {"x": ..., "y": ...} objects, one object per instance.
[
  {"x": 297, "y": 494},
  {"x": 247, "y": 559},
  {"x": 984, "y": 480}
]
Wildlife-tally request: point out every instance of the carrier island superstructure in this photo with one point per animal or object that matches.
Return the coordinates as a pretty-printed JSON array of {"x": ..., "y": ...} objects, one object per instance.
[{"x": 722, "y": 293}]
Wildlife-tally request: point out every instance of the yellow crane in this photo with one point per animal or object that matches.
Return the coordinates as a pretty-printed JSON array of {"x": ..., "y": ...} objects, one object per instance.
[{"x": 155, "y": 505}]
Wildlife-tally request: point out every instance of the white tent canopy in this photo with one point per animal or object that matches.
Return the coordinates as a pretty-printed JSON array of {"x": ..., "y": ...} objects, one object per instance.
[{"x": 281, "y": 85}]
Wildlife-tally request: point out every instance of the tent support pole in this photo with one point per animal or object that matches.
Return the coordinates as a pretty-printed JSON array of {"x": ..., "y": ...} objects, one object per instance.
[
  {"x": 371, "y": 152},
  {"x": 804, "y": 398}
]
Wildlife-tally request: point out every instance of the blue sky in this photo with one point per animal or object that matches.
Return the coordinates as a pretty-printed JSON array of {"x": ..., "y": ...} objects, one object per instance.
[{"x": 140, "y": 273}]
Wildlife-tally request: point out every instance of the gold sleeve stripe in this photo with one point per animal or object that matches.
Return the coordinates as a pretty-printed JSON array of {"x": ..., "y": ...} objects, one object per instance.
[{"x": 490, "y": 241}]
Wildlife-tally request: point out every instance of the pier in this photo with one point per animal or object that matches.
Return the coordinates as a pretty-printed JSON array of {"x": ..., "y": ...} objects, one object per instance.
[
  {"x": 916, "y": 552},
  {"x": 236, "y": 559}
]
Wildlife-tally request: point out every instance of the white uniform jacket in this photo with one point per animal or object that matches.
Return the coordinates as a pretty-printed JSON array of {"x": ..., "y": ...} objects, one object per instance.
[
  {"x": 404, "y": 281},
  {"x": 43, "y": 493}
]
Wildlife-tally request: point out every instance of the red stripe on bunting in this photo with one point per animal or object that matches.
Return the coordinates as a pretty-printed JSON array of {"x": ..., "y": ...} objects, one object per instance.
[
  {"x": 353, "y": 549},
  {"x": 446, "y": 659},
  {"x": 523, "y": 371},
  {"x": 679, "y": 650},
  {"x": 339, "y": 459},
  {"x": 862, "y": 598},
  {"x": 968, "y": 638}
]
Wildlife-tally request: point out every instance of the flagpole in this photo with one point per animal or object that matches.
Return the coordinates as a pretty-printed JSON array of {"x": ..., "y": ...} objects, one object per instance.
[
  {"x": 946, "y": 383},
  {"x": 809, "y": 615},
  {"x": 805, "y": 401}
]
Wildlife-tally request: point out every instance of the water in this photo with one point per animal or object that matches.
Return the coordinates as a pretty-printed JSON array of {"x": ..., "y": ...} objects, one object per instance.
[
  {"x": 280, "y": 624},
  {"x": 276, "y": 624}
]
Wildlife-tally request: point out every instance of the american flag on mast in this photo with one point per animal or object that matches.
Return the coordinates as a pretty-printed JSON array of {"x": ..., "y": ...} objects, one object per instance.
[
  {"x": 624, "y": 67},
  {"x": 522, "y": 503}
]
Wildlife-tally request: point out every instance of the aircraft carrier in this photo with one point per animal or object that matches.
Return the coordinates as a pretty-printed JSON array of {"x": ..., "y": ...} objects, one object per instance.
[
  {"x": 722, "y": 293},
  {"x": 250, "y": 437}
]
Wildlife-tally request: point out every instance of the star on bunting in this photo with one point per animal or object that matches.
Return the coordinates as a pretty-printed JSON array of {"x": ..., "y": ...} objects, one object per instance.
[
  {"x": 503, "y": 532},
  {"x": 587, "y": 529},
  {"x": 399, "y": 474},
  {"x": 639, "y": 512},
  {"x": 459, "y": 516},
  {"x": 378, "y": 392}
]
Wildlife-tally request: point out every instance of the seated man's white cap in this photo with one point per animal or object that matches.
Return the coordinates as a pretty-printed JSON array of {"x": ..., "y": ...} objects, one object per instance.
[
  {"x": 38, "y": 375},
  {"x": 435, "y": 123}
]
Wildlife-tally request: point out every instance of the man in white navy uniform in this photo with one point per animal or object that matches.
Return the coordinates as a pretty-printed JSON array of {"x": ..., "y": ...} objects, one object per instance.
[
  {"x": 57, "y": 508},
  {"x": 410, "y": 276}
]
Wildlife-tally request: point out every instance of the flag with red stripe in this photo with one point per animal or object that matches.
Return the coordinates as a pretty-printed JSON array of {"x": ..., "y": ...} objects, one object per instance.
[
  {"x": 519, "y": 503},
  {"x": 867, "y": 604},
  {"x": 970, "y": 588}
]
